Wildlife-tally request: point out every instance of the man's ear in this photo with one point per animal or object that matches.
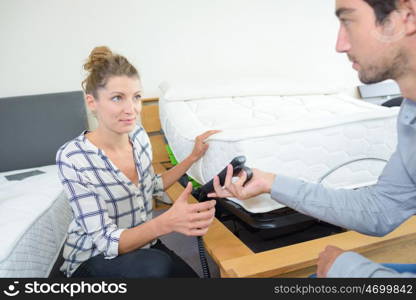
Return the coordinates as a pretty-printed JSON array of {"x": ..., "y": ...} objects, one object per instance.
[
  {"x": 407, "y": 9},
  {"x": 90, "y": 102}
]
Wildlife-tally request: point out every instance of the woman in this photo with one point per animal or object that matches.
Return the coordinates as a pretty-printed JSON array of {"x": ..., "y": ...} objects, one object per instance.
[{"x": 109, "y": 180}]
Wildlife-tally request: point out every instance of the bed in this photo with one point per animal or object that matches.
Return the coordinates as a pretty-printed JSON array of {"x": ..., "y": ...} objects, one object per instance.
[
  {"x": 303, "y": 130},
  {"x": 34, "y": 213}
]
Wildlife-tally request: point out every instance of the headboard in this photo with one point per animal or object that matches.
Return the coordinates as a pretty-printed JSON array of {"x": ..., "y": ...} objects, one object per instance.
[{"x": 32, "y": 128}]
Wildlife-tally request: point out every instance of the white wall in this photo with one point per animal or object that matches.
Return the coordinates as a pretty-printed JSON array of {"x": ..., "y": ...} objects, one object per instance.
[{"x": 45, "y": 42}]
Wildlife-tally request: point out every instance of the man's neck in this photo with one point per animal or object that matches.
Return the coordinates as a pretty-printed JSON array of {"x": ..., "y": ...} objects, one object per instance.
[
  {"x": 407, "y": 82},
  {"x": 408, "y": 87}
]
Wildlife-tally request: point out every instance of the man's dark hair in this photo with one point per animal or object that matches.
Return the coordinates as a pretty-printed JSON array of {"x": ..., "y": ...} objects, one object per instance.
[{"x": 382, "y": 8}]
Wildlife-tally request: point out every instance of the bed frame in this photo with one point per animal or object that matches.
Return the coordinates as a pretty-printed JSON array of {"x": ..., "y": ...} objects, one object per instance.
[{"x": 235, "y": 259}]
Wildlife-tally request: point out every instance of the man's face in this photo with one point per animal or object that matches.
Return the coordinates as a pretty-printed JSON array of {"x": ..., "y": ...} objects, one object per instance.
[{"x": 373, "y": 48}]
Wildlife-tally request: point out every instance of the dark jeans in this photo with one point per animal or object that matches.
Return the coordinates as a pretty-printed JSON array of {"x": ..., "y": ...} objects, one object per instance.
[
  {"x": 155, "y": 262},
  {"x": 400, "y": 268}
]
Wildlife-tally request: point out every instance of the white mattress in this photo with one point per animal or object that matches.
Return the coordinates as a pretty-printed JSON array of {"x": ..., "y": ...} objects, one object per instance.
[
  {"x": 34, "y": 219},
  {"x": 282, "y": 131}
]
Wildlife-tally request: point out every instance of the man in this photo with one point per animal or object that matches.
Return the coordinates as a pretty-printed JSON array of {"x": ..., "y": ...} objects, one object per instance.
[{"x": 379, "y": 38}]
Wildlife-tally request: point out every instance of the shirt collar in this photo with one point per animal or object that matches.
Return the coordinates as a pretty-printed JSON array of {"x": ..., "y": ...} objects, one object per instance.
[
  {"x": 409, "y": 112},
  {"x": 94, "y": 148}
]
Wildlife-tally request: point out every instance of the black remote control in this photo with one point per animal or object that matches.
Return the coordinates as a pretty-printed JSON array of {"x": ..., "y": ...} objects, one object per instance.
[{"x": 238, "y": 166}]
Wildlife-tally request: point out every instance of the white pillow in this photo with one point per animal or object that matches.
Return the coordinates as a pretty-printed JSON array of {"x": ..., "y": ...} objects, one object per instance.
[{"x": 198, "y": 89}]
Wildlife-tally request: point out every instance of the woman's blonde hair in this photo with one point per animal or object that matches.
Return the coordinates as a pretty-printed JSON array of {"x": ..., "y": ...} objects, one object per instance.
[{"x": 103, "y": 64}]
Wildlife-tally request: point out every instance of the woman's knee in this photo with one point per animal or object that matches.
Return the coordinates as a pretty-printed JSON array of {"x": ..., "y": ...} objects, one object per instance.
[
  {"x": 142, "y": 263},
  {"x": 158, "y": 264},
  {"x": 146, "y": 263}
]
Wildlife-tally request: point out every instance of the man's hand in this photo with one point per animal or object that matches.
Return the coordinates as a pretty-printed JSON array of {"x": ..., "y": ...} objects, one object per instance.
[
  {"x": 326, "y": 260},
  {"x": 260, "y": 183}
]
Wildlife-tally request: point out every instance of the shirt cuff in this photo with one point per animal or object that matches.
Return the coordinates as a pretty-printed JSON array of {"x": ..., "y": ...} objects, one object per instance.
[
  {"x": 346, "y": 265},
  {"x": 158, "y": 188},
  {"x": 353, "y": 265},
  {"x": 112, "y": 250}
]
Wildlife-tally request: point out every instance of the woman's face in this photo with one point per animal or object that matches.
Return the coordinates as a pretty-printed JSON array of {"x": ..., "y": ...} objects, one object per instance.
[{"x": 119, "y": 104}]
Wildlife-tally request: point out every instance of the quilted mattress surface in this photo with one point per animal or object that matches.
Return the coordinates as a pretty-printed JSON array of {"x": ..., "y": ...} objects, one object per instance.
[
  {"x": 314, "y": 134},
  {"x": 34, "y": 219}
]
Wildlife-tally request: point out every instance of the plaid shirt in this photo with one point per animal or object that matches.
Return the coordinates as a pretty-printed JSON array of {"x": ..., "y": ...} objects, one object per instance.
[{"x": 103, "y": 200}]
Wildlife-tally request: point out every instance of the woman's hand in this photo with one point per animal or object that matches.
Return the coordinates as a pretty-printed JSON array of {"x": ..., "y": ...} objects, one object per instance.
[
  {"x": 172, "y": 175},
  {"x": 191, "y": 219},
  {"x": 260, "y": 183},
  {"x": 201, "y": 146}
]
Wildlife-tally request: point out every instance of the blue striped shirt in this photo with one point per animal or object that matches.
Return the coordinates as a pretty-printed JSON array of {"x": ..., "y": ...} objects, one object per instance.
[
  {"x": 376, "y": 210},
  {"x": 104, "y": 201}
]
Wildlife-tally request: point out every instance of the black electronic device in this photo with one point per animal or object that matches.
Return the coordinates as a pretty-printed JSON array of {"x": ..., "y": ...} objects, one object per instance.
[{"x": 238, "y": 164}]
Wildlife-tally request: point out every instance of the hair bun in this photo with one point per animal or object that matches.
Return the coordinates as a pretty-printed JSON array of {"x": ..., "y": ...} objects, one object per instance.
[
  {"x": 98, "y": 56},
  {"x": 102, "y": 64}
]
